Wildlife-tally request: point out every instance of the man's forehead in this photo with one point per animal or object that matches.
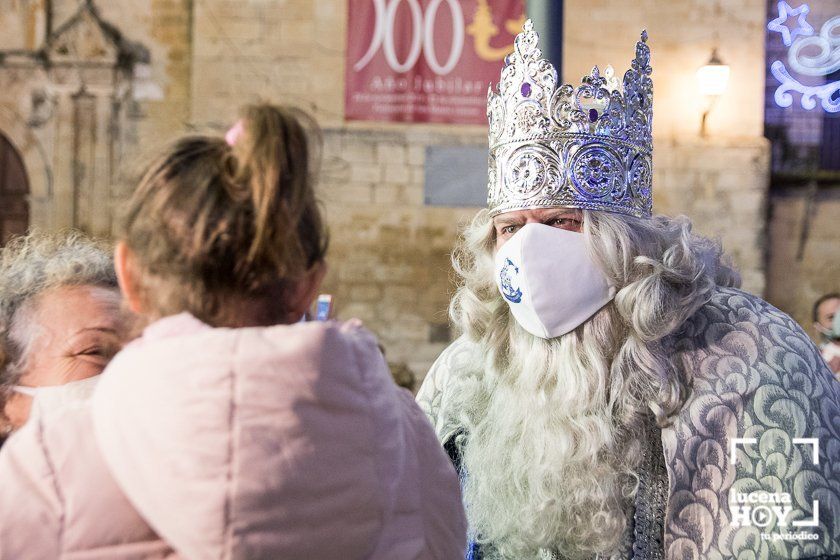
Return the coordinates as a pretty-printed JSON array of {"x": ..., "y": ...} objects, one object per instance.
[
  {"x": 829, "y": 306},
  {"x": 537, "y": 213}
]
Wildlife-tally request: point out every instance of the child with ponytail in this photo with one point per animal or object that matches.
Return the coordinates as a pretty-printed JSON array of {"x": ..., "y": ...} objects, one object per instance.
[
  {"x": 234, "y": 429},
  {"x": 228, "y": 230}
]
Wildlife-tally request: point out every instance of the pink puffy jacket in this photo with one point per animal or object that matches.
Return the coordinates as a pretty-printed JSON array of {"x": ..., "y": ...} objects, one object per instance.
[{"x": 288, "y": 442}]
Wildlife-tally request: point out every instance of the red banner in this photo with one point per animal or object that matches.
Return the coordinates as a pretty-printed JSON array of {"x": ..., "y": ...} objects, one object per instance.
[{"x": 426, "y": 60}]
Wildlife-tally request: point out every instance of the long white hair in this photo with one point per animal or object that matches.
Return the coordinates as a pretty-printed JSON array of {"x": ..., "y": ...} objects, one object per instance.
[{"x": 554, "y": 428}]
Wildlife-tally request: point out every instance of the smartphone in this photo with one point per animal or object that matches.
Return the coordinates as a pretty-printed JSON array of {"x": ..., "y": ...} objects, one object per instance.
[{"x": 323, "y": 307}]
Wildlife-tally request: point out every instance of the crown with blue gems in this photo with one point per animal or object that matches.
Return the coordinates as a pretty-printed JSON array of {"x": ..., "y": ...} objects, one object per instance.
[{"x": 555, "y": 145}]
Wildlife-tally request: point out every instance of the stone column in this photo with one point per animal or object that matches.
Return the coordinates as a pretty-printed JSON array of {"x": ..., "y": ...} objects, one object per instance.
[{"x": 63, "y": 203}]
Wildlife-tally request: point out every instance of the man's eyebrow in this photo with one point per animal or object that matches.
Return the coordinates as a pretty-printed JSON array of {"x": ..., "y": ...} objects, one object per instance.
[
  {"x": 506, "y": 221},
  {"x": 563, "y": 212}
]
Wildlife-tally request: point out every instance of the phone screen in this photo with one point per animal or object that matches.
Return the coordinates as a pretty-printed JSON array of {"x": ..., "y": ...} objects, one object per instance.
[{"x": 323, "y": 308}]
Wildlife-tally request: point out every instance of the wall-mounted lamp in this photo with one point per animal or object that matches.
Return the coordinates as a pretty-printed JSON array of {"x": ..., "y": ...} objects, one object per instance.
[{"x": 712, "y": 79}]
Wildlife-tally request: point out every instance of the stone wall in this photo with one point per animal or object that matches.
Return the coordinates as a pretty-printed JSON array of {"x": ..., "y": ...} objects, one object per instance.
[
  {"x": 682, "y": 35},
  {"x": 389, "y": 256},
  {"x": 389, "y": 261},
  {"x": 286, "y": 50},
  {"x": 63, "y": 107},
  {"x": 721, "y": 184},
  {"x": 803, "y": 263}
]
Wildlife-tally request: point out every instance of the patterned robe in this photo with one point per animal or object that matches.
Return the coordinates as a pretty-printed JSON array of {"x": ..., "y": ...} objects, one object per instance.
[{"x": 752, "y": 460}]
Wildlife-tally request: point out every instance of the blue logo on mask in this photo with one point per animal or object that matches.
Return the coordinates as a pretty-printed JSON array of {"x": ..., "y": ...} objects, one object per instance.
[{"x": 509, "y": 279}]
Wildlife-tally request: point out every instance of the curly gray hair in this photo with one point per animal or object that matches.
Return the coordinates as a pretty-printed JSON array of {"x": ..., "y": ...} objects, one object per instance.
[
  {"x": 34, "y": 263},
  {"x": 556, "y": 426}
]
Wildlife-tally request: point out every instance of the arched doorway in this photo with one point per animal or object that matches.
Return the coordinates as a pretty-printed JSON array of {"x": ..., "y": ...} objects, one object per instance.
[{"x": 14, "y": 192}]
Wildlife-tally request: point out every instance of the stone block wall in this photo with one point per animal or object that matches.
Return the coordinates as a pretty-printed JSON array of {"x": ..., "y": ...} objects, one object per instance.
[
  {"x": 284, "y": 50},
  {"x": 803, "y": 263},
  {"x": 682, "y": 35},
  {"x": 721, "y": 184},
  {"x": 389, "y": 255}
]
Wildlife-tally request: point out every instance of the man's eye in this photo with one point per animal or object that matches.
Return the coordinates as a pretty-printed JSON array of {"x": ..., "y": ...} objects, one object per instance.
[
  {"x": 509, "y": 229},
  {"x": 565, "y": 222}
]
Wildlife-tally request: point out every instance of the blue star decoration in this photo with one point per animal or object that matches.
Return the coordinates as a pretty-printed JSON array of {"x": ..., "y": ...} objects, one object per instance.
[{"x": 802, "y": 27}]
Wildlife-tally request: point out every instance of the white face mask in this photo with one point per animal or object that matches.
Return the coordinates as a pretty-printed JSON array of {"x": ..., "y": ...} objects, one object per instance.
[
  {"x": 549, "y": 280},
  {"x": 54, "y": 397}
]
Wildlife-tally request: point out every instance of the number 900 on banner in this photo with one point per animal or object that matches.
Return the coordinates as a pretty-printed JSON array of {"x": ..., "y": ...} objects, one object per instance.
[{"x": 426, "y": 60}]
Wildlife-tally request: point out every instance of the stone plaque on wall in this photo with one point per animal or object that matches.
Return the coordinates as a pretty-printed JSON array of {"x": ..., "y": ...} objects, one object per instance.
[{"x": 456, "y": 176}]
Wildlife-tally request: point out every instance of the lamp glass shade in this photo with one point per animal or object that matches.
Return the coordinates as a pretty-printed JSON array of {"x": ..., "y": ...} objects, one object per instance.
[{"x": 713, "y": 78}]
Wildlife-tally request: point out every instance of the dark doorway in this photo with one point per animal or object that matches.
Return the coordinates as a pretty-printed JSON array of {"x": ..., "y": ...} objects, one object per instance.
[{"x": 14, "y": 190}]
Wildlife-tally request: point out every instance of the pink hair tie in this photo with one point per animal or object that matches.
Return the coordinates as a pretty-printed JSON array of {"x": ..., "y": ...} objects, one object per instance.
[{"x": 232, "y": 135}]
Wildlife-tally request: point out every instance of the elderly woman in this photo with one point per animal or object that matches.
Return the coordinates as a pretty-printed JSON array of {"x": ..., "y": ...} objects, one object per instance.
[{"x": 60, "y": 322}]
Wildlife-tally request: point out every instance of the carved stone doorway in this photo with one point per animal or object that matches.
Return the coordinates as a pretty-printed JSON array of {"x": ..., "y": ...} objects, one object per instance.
[{"x": 14, "y": 192}]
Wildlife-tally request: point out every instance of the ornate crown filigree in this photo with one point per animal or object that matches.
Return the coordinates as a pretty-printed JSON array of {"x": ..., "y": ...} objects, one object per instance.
[{"x": 551, "y": 145}]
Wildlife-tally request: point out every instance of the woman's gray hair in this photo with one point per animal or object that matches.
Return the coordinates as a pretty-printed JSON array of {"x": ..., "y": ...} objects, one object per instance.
[{"x": 33, "y": 264}]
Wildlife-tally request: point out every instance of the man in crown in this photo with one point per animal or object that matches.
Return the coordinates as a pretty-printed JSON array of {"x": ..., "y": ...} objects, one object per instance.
[{"x": 613, "y": 394}]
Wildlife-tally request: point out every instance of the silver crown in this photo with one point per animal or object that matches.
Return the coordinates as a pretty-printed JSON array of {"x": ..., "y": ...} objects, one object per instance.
[{"x": 551, "y": 145}]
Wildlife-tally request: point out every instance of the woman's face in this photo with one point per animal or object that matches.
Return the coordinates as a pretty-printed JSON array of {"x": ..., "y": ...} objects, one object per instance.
[{"x": 72, "y": 332}]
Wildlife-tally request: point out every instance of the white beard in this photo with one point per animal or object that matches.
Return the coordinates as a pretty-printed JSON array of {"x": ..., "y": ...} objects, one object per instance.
[
  {"x": 549, "y": 457},
  {"x": 554, "y": 428}
]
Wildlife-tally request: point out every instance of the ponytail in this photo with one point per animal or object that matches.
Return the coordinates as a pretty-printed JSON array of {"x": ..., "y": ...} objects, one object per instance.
[
  {"x": 272, "y": 156},
  {"x": 210, "y": 220}
]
